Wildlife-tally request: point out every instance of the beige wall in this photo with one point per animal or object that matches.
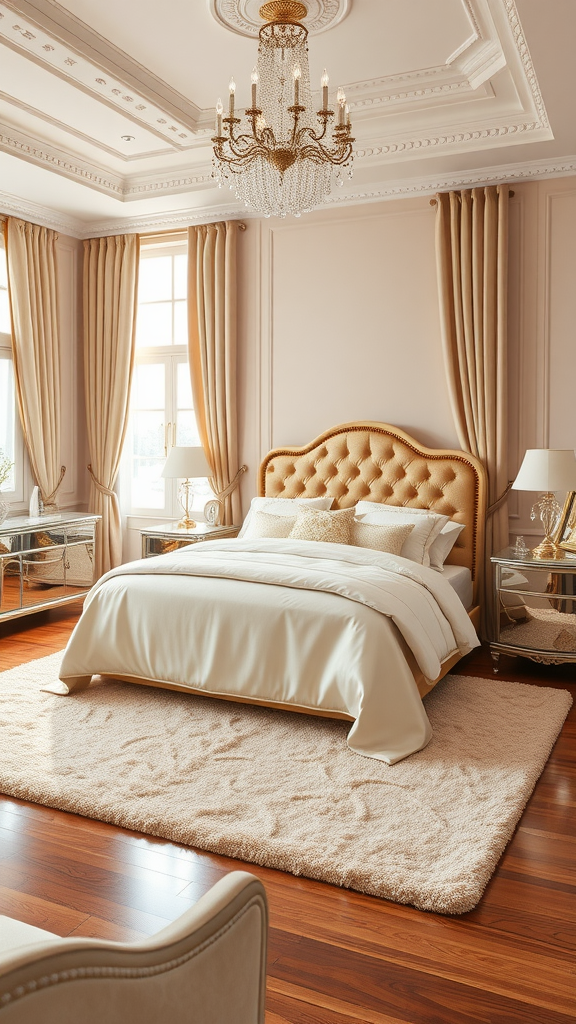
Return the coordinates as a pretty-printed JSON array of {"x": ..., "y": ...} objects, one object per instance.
[{"x": 339, "y": 321}]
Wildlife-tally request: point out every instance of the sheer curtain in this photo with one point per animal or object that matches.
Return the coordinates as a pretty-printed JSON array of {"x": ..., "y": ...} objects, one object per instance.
[
  {"x": 212, "y": 352},
  {"x": 31, "y": 259},
  {"x": 472, "y": 258},
  {"x": 110, "y": 297}
]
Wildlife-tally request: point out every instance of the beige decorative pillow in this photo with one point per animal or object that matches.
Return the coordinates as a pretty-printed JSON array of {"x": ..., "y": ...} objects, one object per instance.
[
  {"x": 315, "y": 524},
  {"x": 266, "y": 524},
  {"x": 387, "y": 538}
]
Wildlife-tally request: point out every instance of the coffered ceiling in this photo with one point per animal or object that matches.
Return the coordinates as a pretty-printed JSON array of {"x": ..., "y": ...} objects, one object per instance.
[{"x": 107, "y": 108}]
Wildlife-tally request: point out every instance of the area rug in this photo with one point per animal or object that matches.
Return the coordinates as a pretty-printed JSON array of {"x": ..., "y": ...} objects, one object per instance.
[{"x": 283, "y": 790}]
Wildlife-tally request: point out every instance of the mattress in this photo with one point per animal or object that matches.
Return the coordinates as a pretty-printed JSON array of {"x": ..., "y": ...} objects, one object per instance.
[{"x": 460, "y": 579}]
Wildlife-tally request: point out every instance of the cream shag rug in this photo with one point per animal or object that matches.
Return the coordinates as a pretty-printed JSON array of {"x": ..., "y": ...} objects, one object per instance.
[{"x": 283, "y": 790}]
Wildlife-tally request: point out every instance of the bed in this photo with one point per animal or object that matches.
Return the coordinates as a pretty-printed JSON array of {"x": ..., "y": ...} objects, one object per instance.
[{"x": 321, "y": 628}]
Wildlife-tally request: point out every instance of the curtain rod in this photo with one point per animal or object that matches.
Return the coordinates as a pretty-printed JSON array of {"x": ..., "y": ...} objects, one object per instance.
[
  {"x": 182, "y": 231},
  {"x": 511, "y": 195}
]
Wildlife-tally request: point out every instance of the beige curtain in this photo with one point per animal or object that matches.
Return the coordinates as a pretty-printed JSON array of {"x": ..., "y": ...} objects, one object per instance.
[
  {"x": 110, "y": 296},
  {"x": 472, "y": 258},
  {"x": 31, "y": 258},
  {"x": 212, "y": 352}
]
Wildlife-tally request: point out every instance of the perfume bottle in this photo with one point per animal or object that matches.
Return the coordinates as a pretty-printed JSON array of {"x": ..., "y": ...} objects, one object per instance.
[{"x": 520, "y": 548}]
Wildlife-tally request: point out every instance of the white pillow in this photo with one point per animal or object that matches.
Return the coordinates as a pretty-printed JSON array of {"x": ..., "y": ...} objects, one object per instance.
[
  {"x": 390, "y": 538},
  {"x": 263, "y": 524},
  {"x": 282, "y": 507},
  {"x": 427, "y": 526},
  {"x": 442, "y": 546}
]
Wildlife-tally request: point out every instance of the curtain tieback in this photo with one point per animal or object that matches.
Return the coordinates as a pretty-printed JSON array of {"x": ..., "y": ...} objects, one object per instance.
[
  {"x": 100, "y": 487},
  {"x": 496, "y": 504},
  {"x": 221, "y": 495},
  {"x": 50, "y": 497}
]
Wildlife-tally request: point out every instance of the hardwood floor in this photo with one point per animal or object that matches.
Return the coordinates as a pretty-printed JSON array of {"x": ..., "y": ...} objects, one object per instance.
[{"x": 336, "y": 957}]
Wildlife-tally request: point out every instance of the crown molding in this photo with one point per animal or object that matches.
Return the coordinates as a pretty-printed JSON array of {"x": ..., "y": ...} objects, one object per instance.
[
  {"x": 13, "y": 206},
  {"x": 537, "y": 170}
]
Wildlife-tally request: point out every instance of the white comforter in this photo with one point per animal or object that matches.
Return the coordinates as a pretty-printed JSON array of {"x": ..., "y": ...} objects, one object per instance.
[{"x": 296, "y": 622}]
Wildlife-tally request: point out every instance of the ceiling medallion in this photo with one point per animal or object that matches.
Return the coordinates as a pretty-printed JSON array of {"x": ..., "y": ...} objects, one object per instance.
[
  {"x": 281, "y": 158},
  {"x": 243, "y": 16}
]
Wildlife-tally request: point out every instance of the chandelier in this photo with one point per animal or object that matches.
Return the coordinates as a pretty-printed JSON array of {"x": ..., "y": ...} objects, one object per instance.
[{"x": 282, "y": 157}]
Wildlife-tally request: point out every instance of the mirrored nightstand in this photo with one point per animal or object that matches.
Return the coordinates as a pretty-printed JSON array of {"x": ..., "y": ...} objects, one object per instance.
[
  {"x": 536, "y": 608},
  {"x": 159, "y": 540}
]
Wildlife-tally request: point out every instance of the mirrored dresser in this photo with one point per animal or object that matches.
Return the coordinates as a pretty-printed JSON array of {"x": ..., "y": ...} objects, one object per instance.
[
  {"x": 45, "y": 561},
  {"x": 535, "y": 602}
]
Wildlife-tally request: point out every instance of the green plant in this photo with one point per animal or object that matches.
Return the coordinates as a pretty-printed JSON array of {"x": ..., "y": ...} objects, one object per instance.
[{"x": 5, "y": 468}]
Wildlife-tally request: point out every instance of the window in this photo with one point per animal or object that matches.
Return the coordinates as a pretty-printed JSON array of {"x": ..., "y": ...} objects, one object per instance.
[
  {"x": 161, "y": 406},
  {"x": 11, "y": 442}
]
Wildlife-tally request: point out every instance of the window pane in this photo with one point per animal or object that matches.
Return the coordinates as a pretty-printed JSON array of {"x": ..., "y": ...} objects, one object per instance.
[
  {"x": 147, "y": 484},
  {"x": 4, "y": 308},
  {"x": 155, "y": 279},
  {"x": 184, "y": 387},
  {"x": 148, "y": 433},
  {"x": 4, "y": 312},
  {"x": 148, "y": 391},
  {"x": 186, "y": 429},
  {"x": 7, "y": 419},
  {"x": 180, "y": 276},
  {"x": 3, "y": 269},
  {"x": 154, "y": 325},
  {"x": 180, "y": 324}
]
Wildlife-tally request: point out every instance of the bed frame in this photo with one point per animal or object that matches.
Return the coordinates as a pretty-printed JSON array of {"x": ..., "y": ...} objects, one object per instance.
[
  {"x": 373, "y": 462},
  {"x": 368, "y": 461}
]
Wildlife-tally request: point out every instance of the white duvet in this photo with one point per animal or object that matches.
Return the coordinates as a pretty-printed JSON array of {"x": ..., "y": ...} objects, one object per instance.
[{"x": 298, "y": 622}]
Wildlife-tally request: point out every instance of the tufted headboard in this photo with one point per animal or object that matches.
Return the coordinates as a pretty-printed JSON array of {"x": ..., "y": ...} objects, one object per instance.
[{"x": 367, "y": 461}]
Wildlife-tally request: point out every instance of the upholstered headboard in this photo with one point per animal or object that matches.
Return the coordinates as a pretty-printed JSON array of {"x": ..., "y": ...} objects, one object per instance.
[{"x": 368, "y": 461}]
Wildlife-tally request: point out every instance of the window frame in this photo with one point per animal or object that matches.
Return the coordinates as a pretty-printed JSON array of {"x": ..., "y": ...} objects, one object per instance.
[
  {"x": 16, "y": 496},
  {"x": 171, "y": 356}
]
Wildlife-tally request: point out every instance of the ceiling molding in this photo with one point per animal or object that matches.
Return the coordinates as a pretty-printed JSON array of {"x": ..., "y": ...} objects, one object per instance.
[
  {"x": 68, "y": 47},
  {"x": 536, "y": 170},
  {"x": 242, "y": 16},
  {"x": 13, "y": 206}
]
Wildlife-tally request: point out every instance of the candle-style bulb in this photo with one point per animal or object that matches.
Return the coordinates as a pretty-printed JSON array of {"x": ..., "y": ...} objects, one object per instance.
[
  {"x": 232, "y": 86},
  {"x": 219, "y": 107},
  {"x": 341, "y": 96},
  {"x": 324, "y": 80},
  {"x": 254, "y": 77},
  {"x": 297, "y": 71}
]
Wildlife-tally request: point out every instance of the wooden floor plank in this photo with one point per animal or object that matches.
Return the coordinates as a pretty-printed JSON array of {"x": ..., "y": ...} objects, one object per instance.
[{"x": 336, "y": 956}]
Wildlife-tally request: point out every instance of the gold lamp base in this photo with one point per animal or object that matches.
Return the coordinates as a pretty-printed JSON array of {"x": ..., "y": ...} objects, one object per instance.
[
  {"x": 186, "y": 524},
  {"x": 548, "y": 550},
  {"x": 185, "y": 497}
]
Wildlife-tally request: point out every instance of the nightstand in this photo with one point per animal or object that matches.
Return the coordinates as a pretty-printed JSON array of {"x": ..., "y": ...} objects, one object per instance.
[
  {"x": 535, "y": 600},
  {"x": 158, "y": 540}
]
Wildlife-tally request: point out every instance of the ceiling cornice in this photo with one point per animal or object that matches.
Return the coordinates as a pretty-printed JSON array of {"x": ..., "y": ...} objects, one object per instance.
[{"x": 536, "y": 170}]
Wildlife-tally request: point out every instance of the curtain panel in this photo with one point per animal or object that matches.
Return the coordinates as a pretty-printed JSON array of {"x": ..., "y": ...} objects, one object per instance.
[
  {"x": 31, "y": 259},
  {"x": 472, "y": 260},
  {"x": 212, "y": 352},
  {"x": 110, "y": 298}
]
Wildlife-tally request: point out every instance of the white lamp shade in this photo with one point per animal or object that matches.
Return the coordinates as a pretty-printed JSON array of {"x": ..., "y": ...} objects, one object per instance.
[
  {"x": 547, "y": 469},
  {"x": 185, "y": 463}
]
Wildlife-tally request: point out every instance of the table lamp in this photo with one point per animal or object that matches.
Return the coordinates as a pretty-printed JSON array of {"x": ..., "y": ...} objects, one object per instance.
[
  {"x": 185, "y": 463},
  {"x": 547, "y": 470}
]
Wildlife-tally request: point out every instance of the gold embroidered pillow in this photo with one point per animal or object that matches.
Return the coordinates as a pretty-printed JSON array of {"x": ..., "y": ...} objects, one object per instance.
[
  {"x": 316, "y": 524},
  {"x": 388, "y": 538},
  {"x": 266, "y": 524}
]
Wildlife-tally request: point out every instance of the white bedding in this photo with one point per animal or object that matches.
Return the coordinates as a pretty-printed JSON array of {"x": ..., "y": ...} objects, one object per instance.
[
  {"x": 298, "y": 622},
  {"x": 460, "y": 579}
]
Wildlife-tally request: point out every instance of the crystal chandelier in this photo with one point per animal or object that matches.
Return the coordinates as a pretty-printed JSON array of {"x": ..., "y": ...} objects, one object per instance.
[{"x": 282, "y": 157}]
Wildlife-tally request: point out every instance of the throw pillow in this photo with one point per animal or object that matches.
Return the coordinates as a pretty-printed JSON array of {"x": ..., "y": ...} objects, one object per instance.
[{"x": 319, "y": 525}]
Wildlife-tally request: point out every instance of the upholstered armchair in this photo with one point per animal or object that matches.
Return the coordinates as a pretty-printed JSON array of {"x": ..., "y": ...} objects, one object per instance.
[{"x": 207, "y": 967}]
